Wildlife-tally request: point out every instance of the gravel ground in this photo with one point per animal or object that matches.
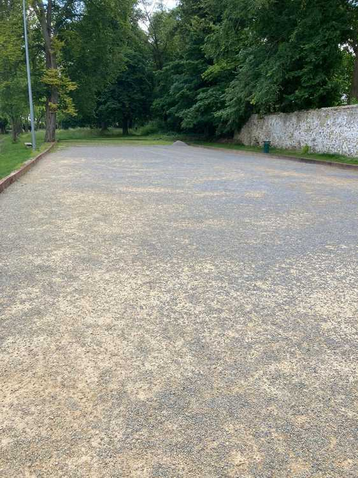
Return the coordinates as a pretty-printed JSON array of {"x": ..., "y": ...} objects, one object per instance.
[{"x": 178, "y": 312}]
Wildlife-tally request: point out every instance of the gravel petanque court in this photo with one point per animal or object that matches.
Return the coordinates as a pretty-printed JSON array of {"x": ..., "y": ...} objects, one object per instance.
[{"x": 178, "y": 312}]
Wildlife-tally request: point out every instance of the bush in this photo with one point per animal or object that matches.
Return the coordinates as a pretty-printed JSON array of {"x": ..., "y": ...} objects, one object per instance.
[{"x": 153, "y": 127}]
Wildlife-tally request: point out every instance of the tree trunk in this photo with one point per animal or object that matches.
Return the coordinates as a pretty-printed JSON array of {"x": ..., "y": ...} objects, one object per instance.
[
  {"x": 125, "y": 127},
  {"x": 51, "y": 103},
  {"x": 353, "y": 96},
  {"x": 14, "y": 129},
  {"x": 104, "y": 127},
  {"x": 52, "y": 99}
]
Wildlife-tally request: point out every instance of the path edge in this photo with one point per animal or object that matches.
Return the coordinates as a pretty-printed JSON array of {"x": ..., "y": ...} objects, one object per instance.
[
  {"x": 15, "y": 175},
  {"x": 297, "y": 159}
]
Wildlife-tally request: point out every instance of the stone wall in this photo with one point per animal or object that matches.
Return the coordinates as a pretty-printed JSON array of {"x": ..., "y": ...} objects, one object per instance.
[{"x": 327, "y": 130}]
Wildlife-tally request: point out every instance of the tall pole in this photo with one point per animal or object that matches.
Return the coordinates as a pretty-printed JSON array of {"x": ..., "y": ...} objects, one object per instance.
[{"x": 32, "y": 116}]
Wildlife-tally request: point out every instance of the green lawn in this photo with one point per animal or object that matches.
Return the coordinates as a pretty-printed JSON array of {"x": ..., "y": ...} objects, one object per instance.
[
  {"x": 13, "y": 155},
  {"x": 113, "y": 136},
  {"x": 336, "y": 158}
]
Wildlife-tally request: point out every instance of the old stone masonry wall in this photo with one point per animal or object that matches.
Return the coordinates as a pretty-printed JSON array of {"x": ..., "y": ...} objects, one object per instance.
[{"x": 327, "y": 130}]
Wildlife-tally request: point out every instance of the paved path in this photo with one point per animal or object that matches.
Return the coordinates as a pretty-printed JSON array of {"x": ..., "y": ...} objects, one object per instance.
[{"x": 177, "y": 312}]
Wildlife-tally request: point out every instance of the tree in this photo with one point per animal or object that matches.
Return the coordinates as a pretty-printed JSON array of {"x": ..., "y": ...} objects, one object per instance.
[
  {"x": 202, "y": 67},
  {"x": 51, "y": 17},
  {"x": 352, "y": 6},
  {"x": 287, "y": 55},
  {"x": 185, "y": 99},
  {"x": 237, "y": 57},
  {"x": 13, "y": 85},
  {"x": 92, "y": 29},
  {"x": 94, "y": 51},
  {"x": 127, "y": 102},
  {"x": 162, "y": 35}
]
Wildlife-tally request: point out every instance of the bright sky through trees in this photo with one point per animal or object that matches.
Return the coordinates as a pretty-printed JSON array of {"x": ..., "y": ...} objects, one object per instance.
[
  {"x": 170, "y": 3},
  {"x": 167, "y": 3}
]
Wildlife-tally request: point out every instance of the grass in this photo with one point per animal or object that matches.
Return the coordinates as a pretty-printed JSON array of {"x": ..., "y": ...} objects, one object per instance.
[
  {"x": 13, "y": 155},
  {"x": 113, "y": 136},
  {"x": 336, "y": 158}
]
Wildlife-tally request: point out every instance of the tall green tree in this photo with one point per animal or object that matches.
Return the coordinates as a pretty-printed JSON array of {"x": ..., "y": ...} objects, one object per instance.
[
  {"x": 50, "y": 15},
  {"x": 185, "y": 99},
  {"x": 94, "y": 51},
  {"x": 13, "y": 84},
  {"x": 127, "y": 101},
  {"x": 243, "y": 56},
  {"x": 163, "y": 41},
  {"x": 352, "y": 50},
  {"x": 80, "y": 39},
  {"x": 287, "y": 55}
]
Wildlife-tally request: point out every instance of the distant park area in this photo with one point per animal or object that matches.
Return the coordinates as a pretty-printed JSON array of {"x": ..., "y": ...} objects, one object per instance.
[
  {"x": 13, "y": 155},
  {"x": 185, "y": 68}
]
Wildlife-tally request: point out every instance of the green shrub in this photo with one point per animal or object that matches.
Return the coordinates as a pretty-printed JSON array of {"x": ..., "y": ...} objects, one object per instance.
[{"x": 153, "y": 127}]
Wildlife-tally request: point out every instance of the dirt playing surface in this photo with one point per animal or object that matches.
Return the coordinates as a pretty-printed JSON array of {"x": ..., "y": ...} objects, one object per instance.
[{"x": 178, "y": 312}]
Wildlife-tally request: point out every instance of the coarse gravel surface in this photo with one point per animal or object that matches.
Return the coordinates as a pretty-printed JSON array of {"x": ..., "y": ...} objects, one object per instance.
[{"x": 178, "y": 312}]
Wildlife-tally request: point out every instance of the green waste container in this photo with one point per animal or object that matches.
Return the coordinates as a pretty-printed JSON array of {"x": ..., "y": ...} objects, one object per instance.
[{"x": 267, "y": 145}]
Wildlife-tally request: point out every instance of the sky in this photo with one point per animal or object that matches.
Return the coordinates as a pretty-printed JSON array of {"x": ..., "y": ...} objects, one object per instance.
[
  {"x": 150, "y": 7},
  {"x": 167, "y": 3},
  {"x": 170, "y": 3}
]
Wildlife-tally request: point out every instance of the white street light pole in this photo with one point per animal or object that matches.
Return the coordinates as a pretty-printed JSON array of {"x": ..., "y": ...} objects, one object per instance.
[{"x": 32, "y": 117}]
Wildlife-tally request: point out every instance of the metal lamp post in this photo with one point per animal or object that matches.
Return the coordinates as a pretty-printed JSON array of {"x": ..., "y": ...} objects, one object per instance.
[{"x": 32, "y": 116}]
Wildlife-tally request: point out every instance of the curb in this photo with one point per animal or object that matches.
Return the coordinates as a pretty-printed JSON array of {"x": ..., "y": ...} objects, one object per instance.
[
  {"x": 289, "y": 158},
  {"x": 317, "y": 161},
  {"x": 15, "y": 175}
]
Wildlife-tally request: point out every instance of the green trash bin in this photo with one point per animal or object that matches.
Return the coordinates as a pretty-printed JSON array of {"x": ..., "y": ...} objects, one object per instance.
[{"x": 267, "y": 145}]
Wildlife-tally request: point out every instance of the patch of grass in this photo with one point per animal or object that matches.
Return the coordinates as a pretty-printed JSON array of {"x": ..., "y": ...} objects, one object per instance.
[
  {"x": 113, "y": 136},
  {"x": 336, "y": 158},
  {"x": 12, "y": 155},
  {"x": 79, "y": 134},
  {"x": 123, "y": 142}
]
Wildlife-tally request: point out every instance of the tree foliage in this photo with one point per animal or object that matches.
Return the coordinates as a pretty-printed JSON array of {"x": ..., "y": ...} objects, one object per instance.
[
  {"x": 257, "y": 56},
  {"x": 127, "y": 101},
  {"x": 13, "y": 86},
  {"x": 202, "y": 67}
]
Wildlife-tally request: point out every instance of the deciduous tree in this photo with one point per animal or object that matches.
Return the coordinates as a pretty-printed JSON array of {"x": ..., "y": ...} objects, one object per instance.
[{"x": 13, "y": 85}]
